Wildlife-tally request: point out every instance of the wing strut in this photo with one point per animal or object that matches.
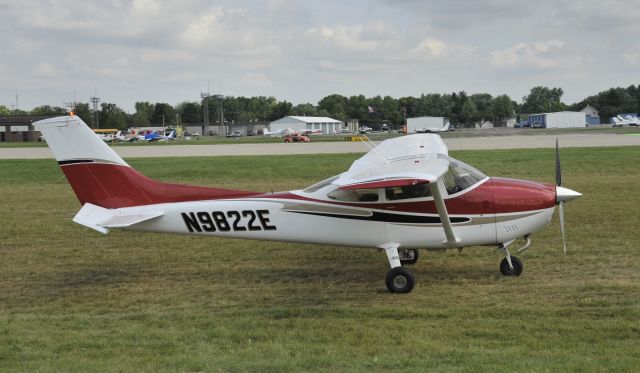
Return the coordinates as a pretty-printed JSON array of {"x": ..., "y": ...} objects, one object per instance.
[{"x": 436, "y": 191}]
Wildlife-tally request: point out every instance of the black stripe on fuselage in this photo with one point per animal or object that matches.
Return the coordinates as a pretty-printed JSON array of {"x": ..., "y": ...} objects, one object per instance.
[
  {"x": 389, "y": 218},
  {"x": 74, "y": 161}
]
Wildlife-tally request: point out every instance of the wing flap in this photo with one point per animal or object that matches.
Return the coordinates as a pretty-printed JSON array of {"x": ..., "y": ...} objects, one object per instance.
[{"x": 101, "y": 219}]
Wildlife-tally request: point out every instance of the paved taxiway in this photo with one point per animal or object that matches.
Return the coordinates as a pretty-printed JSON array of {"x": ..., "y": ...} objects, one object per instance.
[{"x": 461, "y": 143}]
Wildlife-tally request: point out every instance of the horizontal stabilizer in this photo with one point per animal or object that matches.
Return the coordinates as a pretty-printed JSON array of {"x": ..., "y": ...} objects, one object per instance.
[{"x": 101, "y": 219}]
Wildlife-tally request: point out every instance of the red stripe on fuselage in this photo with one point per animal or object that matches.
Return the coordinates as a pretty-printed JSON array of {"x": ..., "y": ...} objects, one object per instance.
[{"x": 115, "y": 186}]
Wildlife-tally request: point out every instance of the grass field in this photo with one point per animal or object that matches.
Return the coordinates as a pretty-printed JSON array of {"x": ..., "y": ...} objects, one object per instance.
[{"x": 74, "y": 300}]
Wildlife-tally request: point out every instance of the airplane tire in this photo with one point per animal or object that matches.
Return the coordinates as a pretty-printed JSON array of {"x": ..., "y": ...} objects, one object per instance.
[
  {"x": 517, "y": 267},
  {"x": 400, "y": 280},
  {"x": 413, "y": 260}
]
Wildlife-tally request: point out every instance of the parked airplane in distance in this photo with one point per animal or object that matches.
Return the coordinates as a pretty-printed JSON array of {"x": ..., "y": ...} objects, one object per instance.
[
  {"x": 154, "y": 136},
  {"x": 625, "y": 120},
  {"x": 405, "y": 194}
]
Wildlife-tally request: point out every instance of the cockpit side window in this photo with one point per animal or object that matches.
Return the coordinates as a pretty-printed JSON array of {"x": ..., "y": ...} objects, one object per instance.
[
  {"x": 407, "y": 192},
  {"x": 355, "y": 195},
  {"x": 460, "y": 176}
]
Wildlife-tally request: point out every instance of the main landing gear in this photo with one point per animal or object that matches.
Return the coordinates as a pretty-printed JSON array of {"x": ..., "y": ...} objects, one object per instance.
[
  {"x": 400, "y": 279},
  {"x": 511, "y": 265}
]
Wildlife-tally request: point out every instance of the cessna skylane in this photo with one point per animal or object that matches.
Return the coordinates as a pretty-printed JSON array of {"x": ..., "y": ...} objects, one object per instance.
[{"x": 403, "y": 195}]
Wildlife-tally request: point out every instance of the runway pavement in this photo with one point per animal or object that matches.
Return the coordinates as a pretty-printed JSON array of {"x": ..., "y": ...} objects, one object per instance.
[{"x": 462, "y": 143}]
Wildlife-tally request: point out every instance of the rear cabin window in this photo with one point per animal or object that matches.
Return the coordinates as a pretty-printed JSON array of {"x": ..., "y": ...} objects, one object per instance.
[
  {"x": 355, "y": 195},
  {"x": 407, "y": 192}
]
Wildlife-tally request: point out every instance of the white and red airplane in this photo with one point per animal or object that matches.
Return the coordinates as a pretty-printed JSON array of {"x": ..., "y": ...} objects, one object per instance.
[{"x": 405, "y": 194}]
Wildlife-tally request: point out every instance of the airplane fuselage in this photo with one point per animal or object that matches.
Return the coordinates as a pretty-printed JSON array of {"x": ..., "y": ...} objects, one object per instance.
[{"x": 298, "y": 217}]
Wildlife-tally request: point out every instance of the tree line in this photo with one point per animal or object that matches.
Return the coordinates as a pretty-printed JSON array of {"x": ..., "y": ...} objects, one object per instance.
[{"x": 460, "y": 108}]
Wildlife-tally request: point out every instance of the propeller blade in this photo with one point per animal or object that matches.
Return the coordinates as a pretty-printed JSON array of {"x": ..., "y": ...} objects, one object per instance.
[
  {"x": 558, "y": 171},
  {"x": 561, "y": 216}
]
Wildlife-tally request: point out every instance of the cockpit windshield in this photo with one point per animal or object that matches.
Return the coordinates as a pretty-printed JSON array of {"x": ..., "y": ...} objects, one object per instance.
[
  {"x": 460, "y": 175},
  {"x": 319, "y": 185}
]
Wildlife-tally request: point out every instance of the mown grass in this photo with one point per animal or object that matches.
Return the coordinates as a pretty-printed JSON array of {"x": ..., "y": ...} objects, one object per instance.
[{"x": 74, "y": 300}]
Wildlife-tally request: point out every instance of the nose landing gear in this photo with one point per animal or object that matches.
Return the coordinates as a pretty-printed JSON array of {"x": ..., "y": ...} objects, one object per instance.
[{"x": 511, "y": 265}]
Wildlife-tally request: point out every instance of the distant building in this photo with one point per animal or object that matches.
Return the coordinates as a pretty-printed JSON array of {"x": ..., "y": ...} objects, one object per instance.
[
  {"x": 20, "y": 128},
  {"x": 328, "y": 126},
  {"x": 353, "y": 125},
  {"x": 592, "y": 115},
  {"x": 510, "y": 122},
  {"x": 560, "y": 119}
]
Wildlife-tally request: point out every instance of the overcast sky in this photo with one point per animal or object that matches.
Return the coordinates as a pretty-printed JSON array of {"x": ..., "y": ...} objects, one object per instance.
[{"x": 301, "y": 51}]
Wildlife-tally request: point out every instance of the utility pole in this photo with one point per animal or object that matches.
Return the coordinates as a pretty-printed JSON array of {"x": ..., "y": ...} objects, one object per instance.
[
  {"x": 95, "y": 114},
  {"x": 205, "y": 112},
  {"x": 222, "y": 130},
  {"x": 70, "y": 106}
]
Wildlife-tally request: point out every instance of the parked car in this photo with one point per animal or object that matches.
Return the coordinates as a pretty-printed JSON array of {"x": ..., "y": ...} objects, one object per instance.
[
  {"x": 251, "y": 133},
  {"x": 234, "y": 134},
  {"x": 296, "y": 138}
]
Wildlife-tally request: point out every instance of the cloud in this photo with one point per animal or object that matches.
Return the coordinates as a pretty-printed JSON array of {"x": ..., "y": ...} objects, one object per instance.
[
  {"x": 359, "y": 38},
  {"x": 46, "y": 70},
  {"x": 430, "y": 48},
  {"x": 255, "y": 80},
  {"x": 632, "y": 55},
  {"x": 539, "y": 54}
]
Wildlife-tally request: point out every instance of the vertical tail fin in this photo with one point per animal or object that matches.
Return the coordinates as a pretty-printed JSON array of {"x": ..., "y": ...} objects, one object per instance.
[
  {"x": 99, "y": 176},
  {"x": 70, "y": 140}
]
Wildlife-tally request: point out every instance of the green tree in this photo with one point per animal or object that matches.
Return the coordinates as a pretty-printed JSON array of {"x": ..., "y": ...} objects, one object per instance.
[
  {"x": 304, "y": 110},
  {"x": 47, "y": 110},
  {"x": 409, "y": 104},
  {"x": 543, "y": 100},
  {"x": 4, "y": 110},
  {"x": 468, "y": 113},
  {"x": 502, "y": 108},
  {"x": 279, "y": 110},
  {"x": 482, "y": 103},
  {"x": 190, "y": 112},
  {"x": 435, "y": 105},
  {"x": 261, "y": 106},
  {"x": 82, "y": 110},
  {"x": 144, "y": 112},
  {"x": 163, "y": 113},
  {"x": 335, "y": 105},
  {"x": 111, "y": 116},
  {"x": 357, "y": 107},
  {"x": 390, "y": 110}
]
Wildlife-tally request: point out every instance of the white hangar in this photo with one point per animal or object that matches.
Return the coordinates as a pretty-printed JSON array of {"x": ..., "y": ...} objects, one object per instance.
[{"x": 328, "y": 126}]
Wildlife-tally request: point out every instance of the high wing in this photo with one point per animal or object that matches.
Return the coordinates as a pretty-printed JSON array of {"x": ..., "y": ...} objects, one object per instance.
[{"x": 407, "y": 160}]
